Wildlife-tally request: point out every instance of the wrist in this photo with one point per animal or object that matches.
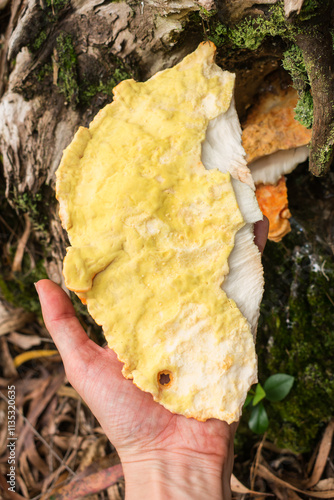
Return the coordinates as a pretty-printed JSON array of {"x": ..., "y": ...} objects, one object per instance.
[{"x": 165, "y": 475}]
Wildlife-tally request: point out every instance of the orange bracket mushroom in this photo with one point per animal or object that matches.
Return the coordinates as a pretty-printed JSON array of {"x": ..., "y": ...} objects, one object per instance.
[{"x": 275, "y": 143}]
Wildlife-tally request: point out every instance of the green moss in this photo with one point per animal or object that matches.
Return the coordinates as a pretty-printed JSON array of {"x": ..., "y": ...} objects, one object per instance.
[
  {"x": 293, "y": 62},
  {"x": 35, "y": 206},
  {"x": 250, "y": 32},
  {"x": 219, "y": 34},
  {"x": 304, "y": 109},
  {"x": 309, "y": 9},
  {"x": 54, "y": 7},
  {"x": 39, "y": 40},
  {"x": 296, "y": 337},
  {"x": 19, "y": 289},
  {"x": 247, "y": 35},
  {"x": 77, "y": 84},
  {"x": 51, "y": 11},
  {"x": 324, "y": 154},
  {"x": 88, "y": 91},
  {"x": 57, "y": 4},
  {"x": 207, "y": 13},
  {"x": 6, "y": 293},
  {"x": 45, "y": 71},
  {"x": 67, "y": 61}
]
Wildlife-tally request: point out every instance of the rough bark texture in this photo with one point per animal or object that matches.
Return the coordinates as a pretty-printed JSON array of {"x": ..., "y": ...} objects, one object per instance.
[
  {"x": 316, "y": 44},
  {"x": 292, "y": 6},
  {"x": 61, "y": 58},
  {"x": 234, "y": 10},
  {"x": 68, "y": 55},
  {"x": 36, "y": 126}
]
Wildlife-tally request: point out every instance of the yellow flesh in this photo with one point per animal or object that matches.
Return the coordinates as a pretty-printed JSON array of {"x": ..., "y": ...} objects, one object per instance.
[{"x": 151, "y": 232}]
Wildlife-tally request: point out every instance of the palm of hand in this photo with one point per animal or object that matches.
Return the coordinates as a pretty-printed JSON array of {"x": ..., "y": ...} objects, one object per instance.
[
  {"x": 141, "y": 430},
  {"x": 131, "y": 419}
]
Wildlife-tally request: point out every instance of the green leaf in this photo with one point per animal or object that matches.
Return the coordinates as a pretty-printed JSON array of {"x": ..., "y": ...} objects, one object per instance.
[
  {"x": 259, "y": 394},
  {"x": 248, "y": 400},
  {"x": 278, "y": 386},
  {"x": 258, "y": 421}
]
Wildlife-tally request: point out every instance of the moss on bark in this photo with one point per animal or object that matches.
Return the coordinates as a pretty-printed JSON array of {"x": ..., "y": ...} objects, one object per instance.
[{"x": 308, "y": 56}]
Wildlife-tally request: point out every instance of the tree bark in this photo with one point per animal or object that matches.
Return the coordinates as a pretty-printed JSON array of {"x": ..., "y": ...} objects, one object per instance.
[
  {"x": 316, "y": 44},
  {"x": 59, "y": 60}
]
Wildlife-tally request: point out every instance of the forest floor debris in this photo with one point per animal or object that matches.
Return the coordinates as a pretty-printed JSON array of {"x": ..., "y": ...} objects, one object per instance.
[{"x": 62, "y": 452}]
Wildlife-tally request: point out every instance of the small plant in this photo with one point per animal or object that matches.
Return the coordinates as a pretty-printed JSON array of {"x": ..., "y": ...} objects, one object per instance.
[{"x": 275, "y": 388}]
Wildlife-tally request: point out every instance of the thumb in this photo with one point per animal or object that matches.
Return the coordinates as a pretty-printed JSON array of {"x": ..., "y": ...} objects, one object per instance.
[{"x": 75, "y": 348}]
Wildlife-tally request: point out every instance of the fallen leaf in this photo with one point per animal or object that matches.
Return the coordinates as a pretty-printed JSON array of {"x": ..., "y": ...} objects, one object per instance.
[
  {"x": 116, "y": 492},
  {"x": 272, "y": 447},
  {"x": 312, "y": 460},
  {"x": 90, "y": 484},
  {"x": 257, "y": 460},
  {"x": 238, "y": 487},
  {"x": 8, "y": 494},
  {"x": 27, "y": 356},
  {"x": 324, "y": 450},
  {"x": 270, "y": 477},
  {"x": 6, "y": 360},
  {"x": 17, "y": 262},
  {"x": 22, "y": 485},
  {"x": 25, "y": 471},
  {"x": 13, "y": 319},
  {"x": 34, "y": 457},
  {"x": 280, "y": 492},
  {"x": 293, "y": 496},
  {"x": 325, "y": 484},
  {"x": 24, "y": 341},
  {"x": 287, "y": 460},
  {"x": 57, "y": 478},
  {"x": 33, "y": 389},
  {"x": 37, "y": 406},
  {"x": 69, "y": 392},
  {"x": 94, "y": 450},
  {"x": 101, "y": 463}
]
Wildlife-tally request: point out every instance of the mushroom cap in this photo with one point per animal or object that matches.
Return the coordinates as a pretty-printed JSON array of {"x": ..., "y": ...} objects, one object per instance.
[
  {"x": 273, "y": 201},
  {"x": 271, "y": 126},
  {"x": 275, "y": 143},
  {"x": 159, "y": 206}
]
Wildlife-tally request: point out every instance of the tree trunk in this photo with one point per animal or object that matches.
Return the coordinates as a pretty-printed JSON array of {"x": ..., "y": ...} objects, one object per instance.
[
  {"x": 59, "y": 63},
  {"x": 61, "y": 58}
]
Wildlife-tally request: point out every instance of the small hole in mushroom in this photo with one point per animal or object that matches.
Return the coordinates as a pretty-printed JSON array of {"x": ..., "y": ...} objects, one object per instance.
[{"x": 164, "y": 378}]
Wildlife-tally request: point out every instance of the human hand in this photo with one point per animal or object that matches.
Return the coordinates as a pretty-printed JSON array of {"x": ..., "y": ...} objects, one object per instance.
[{"x": 164, "y": 455}]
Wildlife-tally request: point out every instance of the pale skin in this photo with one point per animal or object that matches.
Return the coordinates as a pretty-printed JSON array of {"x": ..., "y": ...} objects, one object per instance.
[{"x": 163, "y": 455}]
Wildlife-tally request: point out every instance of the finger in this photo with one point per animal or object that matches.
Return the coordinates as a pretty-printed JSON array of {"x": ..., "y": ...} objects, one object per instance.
[
  {"x": 261, "y": 229},
  {"x": 62, "y": 324}
]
